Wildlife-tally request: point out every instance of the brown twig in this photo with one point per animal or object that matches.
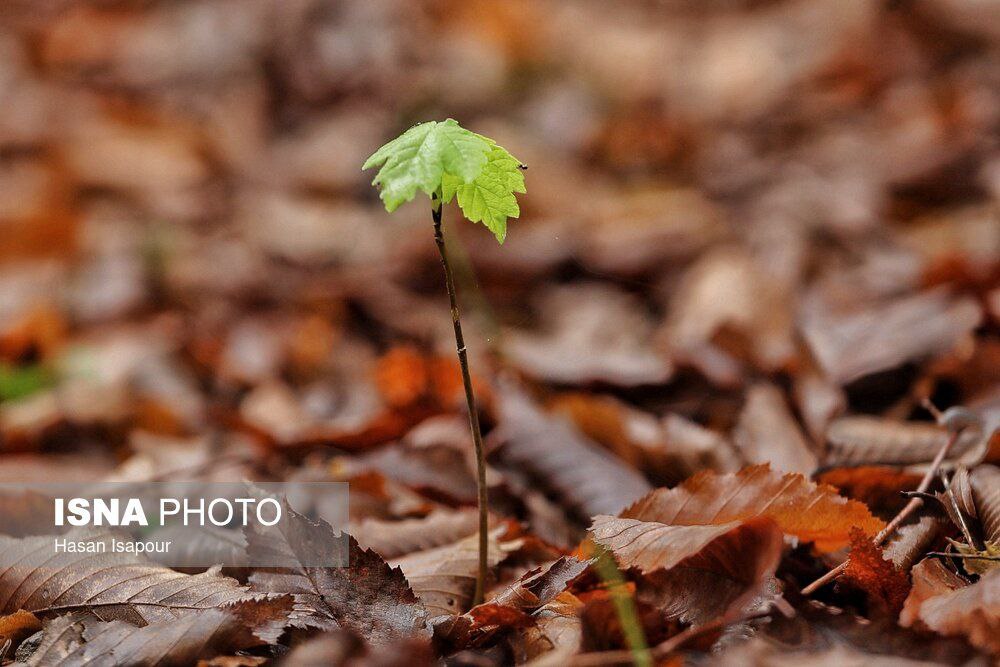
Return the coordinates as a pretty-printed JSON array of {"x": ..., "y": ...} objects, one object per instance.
[
  {"x": 915, "y": 502},
  {"x": 470, "y": 399}
]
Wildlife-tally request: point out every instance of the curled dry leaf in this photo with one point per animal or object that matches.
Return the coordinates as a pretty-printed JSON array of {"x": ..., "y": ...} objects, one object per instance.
[
  {"x": 391, "y": 539},
  {"x": 972, "y": 611},
  {"x": 732, "y": 576},
  {"x": 930, "y": 579},
  {"x": 811, "y": 512},
  {"x": 860, "y": 440},
  {"x": 885, "y": 585},
  {"x": 444, "y": 578},
  {"x": 367, "y": 596},
  {"x": 541, "y": 585},
  {"x": 985, "y": 483},
  {"x": 911, "y": 542},
  {"x": 511, "y": 606},
  {"x": 110, "y": 585},
  {"x": 767, "y": 433},
  {"x": 556, "y": 635},
  {"x": 586, "y": 478}
]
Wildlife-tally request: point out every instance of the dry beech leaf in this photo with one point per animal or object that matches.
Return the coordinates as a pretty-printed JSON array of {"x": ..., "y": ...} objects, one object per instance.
[
  {"x": 556, "y": 635},
  {"x": 930, "y": 579},
  {"x": 112, "y": 586},
  {"x": 592, "y": 333},
  {"x": 77, "y": 639},
  {"x": 849, "y": 346},
  {"x": 885, "y": 585},
  {"x": 367, "y": 596},
  {"x": 391, "y": 539},
  {"x": 732, "y": 576},
  {"x": 809, "y": 511},
  {"x": 985, "y": 483},
  {"x": 879, "y": 487},
  {"x": 585, "y": 477},
  {"x": 972, "y": 611},
  {"x": 541, "y": 585},
  {"x": 444, "y": 578},
  {"x": 767, "y": 433},
  {"x": 912, "y": 542},
  {"x": 511, "y": 606},
  {"x": 860, "y": 440}
]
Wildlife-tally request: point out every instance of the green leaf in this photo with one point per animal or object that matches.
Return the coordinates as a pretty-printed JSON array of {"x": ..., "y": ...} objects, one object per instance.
[
  {"x": 420, "y": 157},
  {"x": 446, "y": 159},
  {"x": 489, "y": 198}
]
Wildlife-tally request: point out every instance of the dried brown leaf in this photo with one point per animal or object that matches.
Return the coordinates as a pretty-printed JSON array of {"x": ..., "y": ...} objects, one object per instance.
[
  {"x": 391, "y": 539},
  {"x": 852, "y": 345},
  {"x": 861, "y": 440},
  {"x": 732, "y": 576},
  {"x": 812, "y": 512},
  {"x": 444, "y": 578},
  {"x": 930, "y": 579},
  {"x": 585, "y": 477},
  {"x": 885, "y": 585},
  {"x": 367, "y": 596},
  {"x": 767, "y": 433},
  {"x": 984, "y": 481},
  {"x": 972, "y": 611},
  {"x": 78, "y": 639},
  {"x": 112, "y": 586}
]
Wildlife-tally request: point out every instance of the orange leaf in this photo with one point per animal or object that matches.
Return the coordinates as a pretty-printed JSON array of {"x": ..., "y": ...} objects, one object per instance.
[
  {"x": 812, "y": 512},
  {"x": 885, "y": 585}
]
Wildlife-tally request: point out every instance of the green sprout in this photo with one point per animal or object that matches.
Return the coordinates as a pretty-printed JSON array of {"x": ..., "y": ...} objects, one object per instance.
[{"x": 445, "y": 161}]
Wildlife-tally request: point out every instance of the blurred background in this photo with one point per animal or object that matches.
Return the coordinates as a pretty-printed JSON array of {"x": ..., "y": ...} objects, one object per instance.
[{"x": 799, "y": 195}]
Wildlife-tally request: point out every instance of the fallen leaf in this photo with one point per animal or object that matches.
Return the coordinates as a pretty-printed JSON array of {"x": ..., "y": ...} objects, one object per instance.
[
  {"x": 444, "y": 578},
  {"x": 77, "y": 639},
  {"x": 972, "y": 611},
  {"x": 851, "y": 345},
  {"x": 811, "y": 512},
  {"x": 137, "y": 590},
  {"x": 367, "y": 596},
  {"x": 885, "y": 585},
  {"x": 767, "y": 433},
  {"x": 556, "y": 634},
  {"x": 930, "y": 579},
  {"x": 391, "y": 539},
  {"x": 732, "y": 576},
  {"x": 586, "y": 478},
  {"x": 860, "y": 440}
]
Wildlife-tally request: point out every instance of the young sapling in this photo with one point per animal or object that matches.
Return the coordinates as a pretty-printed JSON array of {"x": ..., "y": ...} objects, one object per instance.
[{"x": 445, "y": 161}]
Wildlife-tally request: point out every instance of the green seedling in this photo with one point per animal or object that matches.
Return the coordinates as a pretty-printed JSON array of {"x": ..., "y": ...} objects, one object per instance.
[{"x": 445, "y": 161}]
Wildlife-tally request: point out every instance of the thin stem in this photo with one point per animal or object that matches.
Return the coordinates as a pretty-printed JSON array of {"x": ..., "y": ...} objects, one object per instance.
[
  {"x": 470, "y": 399},
  {"x": 626, "y": 610},
  {"x": 915, "y": 502}
]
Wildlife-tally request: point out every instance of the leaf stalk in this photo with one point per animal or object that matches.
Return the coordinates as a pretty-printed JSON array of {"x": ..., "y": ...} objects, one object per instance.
[{"x": 470, "y": 399}]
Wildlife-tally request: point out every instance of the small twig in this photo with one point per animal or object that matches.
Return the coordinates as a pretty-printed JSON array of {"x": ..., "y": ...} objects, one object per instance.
[
  {"x": 916, "y": 500},
  {"x": 470, "y": 399}
]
